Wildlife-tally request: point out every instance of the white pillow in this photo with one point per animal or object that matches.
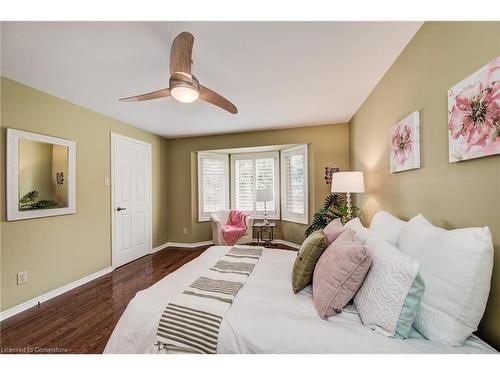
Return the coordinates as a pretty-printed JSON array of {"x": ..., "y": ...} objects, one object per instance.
[
  {"x": 388, "y": 226},
  {"x": 381, "y": 297},
  {"x": 361, "y": 233},
  {"x": 456, "y": 267}
]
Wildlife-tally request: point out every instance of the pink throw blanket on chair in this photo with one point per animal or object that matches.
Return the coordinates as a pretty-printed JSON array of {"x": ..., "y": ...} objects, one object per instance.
[{"x": 235, "y": 227}]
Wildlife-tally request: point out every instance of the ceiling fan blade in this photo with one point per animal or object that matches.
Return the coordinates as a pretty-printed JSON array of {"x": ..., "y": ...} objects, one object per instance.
[
  {"x": 180, "y": 53},
  {"x": 213, "y": 98},
  {"x": 150, "y": 95}
]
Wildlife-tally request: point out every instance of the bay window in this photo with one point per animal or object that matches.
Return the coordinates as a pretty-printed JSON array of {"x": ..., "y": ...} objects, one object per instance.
[{"x": 231, "y": 178}]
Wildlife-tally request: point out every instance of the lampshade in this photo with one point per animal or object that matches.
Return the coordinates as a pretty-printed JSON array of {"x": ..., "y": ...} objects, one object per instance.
[
  {"x": 348, "y": 182},
  {"x": 265, "y": 195}
]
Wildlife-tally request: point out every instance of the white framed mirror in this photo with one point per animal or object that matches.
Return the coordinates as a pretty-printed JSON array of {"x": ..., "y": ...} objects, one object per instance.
[{"x": 41, "y": 175}]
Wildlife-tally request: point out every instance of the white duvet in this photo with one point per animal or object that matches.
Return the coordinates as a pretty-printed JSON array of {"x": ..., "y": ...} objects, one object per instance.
[{"x": 266, "y": 317}]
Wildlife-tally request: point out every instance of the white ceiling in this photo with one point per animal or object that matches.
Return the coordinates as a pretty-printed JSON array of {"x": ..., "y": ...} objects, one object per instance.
[{"x": 278, "y": 74}]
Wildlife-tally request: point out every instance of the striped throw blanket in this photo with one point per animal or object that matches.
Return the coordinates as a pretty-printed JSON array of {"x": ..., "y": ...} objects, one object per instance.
[{"x": 191, "y": 321}]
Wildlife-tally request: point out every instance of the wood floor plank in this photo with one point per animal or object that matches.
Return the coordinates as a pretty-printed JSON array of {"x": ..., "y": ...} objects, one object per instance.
[{"x": 82, "y": 320}]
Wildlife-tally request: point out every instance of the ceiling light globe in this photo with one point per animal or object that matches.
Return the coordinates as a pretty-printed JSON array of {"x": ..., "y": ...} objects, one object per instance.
[{"x": 185, "y": 94}]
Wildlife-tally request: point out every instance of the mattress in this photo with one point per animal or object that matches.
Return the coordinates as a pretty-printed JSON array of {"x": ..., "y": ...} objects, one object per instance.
[{"x": 267, "y": 317}]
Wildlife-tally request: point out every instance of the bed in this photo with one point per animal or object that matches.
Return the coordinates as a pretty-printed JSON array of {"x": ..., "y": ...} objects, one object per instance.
[{"x": 267, "y": 317}]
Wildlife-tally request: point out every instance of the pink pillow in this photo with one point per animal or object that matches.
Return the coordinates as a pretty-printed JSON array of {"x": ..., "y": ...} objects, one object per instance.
[
  {"x": 332, "y": 231},
  {"x": 339, "y": 273}
]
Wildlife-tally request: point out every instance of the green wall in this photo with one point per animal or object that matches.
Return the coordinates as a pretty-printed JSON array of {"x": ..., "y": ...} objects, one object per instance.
[
  {"x": 61, "y": 249},
  {"x": 328, "y": 146},
  {"x": 464, "y": 194}
]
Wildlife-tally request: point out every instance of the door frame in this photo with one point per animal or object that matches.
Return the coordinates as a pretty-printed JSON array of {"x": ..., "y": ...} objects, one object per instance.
[{"x": 149, "y": 192}]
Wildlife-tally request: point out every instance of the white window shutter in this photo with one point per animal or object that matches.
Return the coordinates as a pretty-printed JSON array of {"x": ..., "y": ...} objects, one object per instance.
[
  {"x": 251, "y": 172},
  {"x": 213, "y": 184},
  {"x": 294, "y": 177},
  {"x": 265, "y": 169},
  {"x": 243, "y": 185}
]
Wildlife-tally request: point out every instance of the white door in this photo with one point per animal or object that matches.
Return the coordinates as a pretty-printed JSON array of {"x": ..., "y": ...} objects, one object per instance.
[{"x": 131, "y": 199}]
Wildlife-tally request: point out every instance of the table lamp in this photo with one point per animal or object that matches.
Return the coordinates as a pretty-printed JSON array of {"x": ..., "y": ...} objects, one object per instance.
[
  {"x": 265, "y": 195},
  {"x": 348, "y": 182}
]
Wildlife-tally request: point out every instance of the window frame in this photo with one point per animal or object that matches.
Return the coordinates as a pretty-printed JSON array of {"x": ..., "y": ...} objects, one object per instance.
[
  {"x": 202, "y": 215},
  {"x": 276, "y": 213},
  {"x": 291, "y": 216}
]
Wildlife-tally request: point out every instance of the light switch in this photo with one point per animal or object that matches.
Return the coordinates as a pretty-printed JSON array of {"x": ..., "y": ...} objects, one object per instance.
[{"x": 106, "y": 181}]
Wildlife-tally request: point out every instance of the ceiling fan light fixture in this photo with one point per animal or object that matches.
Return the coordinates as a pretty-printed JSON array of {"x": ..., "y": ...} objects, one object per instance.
[
  {"x": 185, "y": 94},
  {"x": 183, "y": 86}
]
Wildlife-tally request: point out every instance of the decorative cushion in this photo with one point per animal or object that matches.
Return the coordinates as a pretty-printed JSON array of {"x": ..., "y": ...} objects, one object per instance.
[
  {"x": 387, "y": 225},
  {"x": 339, "y": 273},
  {"x": 381, "y": 299},
  {"x": 456, "y": 266},
  {"x": 332, "y": 231},
  {"x": 307, "y": 256}
]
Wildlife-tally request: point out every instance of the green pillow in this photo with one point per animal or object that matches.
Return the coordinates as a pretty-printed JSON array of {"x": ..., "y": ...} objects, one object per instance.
[
  {"x": 307, "y": 256},
  {"x": 410, "y": 306}
]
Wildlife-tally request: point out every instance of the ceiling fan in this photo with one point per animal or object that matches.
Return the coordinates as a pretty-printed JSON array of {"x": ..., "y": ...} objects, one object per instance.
[{"x": 183, "y": 86}]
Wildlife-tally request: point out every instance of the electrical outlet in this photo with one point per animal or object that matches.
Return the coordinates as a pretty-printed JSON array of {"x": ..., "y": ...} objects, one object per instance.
[
  {"x": 22, "y": 277},
  {"x": 185, "y": 230}
]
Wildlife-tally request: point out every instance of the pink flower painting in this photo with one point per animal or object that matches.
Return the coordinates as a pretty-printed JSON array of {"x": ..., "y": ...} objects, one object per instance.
[
  {"x": 404, "y": 143},
  {"x": 474, "y": 114}
]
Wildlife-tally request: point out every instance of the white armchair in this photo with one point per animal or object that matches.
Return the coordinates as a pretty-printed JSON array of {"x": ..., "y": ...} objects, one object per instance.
[{"x": 219, "y": 218}]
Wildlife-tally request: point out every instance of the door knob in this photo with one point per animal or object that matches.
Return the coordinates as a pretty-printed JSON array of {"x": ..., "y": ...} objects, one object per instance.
[{"x": 120, "y": 208}]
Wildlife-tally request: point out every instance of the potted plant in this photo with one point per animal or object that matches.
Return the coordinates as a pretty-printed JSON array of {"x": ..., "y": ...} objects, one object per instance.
[{"x": 333, "y": 208}]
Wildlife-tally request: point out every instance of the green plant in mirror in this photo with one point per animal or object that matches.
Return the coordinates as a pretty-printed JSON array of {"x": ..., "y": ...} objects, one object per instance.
[
  {"x": 29, "y": 202},
  {"x": 333, "y": 208}
]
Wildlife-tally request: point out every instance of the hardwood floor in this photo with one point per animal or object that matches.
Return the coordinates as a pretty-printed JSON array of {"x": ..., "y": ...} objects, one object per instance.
[{"x": 81, "y": 320}]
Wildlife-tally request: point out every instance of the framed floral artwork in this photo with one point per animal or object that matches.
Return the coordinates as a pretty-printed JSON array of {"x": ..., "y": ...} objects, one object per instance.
[
  {"x": 404, "y": 144},
  {"x": 474, "y": 114}
]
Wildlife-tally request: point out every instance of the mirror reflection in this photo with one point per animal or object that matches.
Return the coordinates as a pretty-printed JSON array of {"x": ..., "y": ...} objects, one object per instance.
[{"x": 43, "y": 170}]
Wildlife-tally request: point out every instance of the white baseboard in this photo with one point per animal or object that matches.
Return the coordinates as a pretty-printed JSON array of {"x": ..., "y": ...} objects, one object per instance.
[
  {"x": 191, "y": 245},
  {"x": 54, "y": 293},
  {"x": 291, "y": 244},
  {"x": 158, "y": 248},
  {"x": 187, "y": 245},
  {"x": 282, "y": 242}
]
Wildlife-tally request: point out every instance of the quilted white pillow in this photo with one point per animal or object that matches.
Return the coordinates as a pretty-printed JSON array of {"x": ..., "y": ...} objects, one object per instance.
[
  {"x": 388, "y": 226},
  {"x": 381, "y": 297},
  {"x": 456, "y": 266},
  {"x": 361, "y": 233}
]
